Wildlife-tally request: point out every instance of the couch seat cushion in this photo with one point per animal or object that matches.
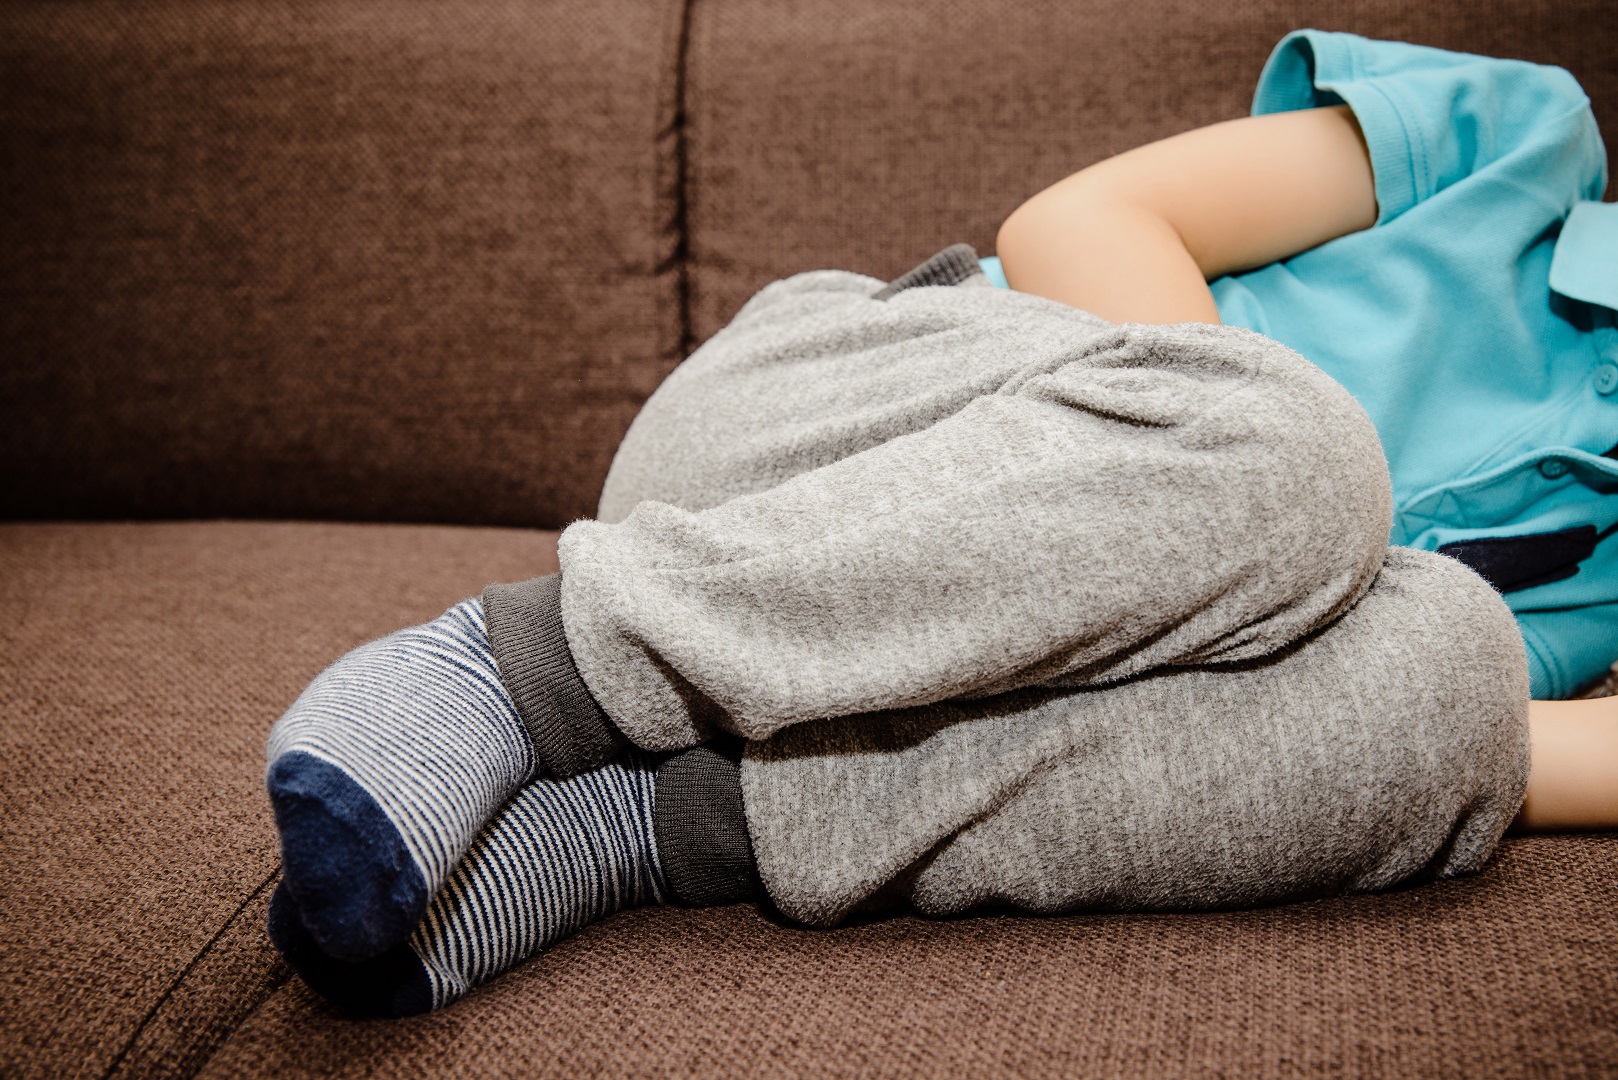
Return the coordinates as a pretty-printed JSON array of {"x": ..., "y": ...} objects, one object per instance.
[{"x": 141, "y": 666}]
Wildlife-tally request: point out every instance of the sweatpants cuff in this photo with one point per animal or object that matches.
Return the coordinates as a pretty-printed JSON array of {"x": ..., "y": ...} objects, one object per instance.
[
  {"x": 952, "y": 266},
  {"x": 701, "y": 827},
  {"x": 570, "y": 733}
]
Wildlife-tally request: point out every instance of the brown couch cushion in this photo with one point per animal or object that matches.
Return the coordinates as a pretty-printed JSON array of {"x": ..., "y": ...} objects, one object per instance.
[
  {"x": 142, "y": 665},
  {"x": 843, "y": 133},
  {"x": 404, "y": 261},
  {"x": 140, "y": 669},
  {"x": 1511, "y": 973}
]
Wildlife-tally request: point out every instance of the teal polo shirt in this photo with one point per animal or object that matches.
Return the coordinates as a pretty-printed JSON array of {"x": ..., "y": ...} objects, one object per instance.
[{"x": 1474, "y": 322}]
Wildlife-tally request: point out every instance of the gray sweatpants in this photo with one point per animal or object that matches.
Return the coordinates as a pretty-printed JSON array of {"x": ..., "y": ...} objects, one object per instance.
[{"x": 1015, "y": 605}]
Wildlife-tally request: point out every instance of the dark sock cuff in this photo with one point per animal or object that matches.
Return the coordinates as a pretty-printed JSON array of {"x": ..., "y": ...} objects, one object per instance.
[
  {"x": 569, "y": 731},
  {"x": 951, "y": 266},
  {"x": 701, "y": 827}
]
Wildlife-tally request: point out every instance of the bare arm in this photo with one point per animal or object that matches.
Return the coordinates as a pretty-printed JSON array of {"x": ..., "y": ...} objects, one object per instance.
[
  {"x": 1137, "y": 237},
  {"x": 1573, "y": 771}
]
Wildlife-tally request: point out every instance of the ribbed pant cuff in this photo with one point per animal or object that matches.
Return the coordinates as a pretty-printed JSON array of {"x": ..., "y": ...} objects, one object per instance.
[
  {"x": 701, "y": 827},
  {"x": 569, "y": 731},
  {"x": 952, "y": 266}
]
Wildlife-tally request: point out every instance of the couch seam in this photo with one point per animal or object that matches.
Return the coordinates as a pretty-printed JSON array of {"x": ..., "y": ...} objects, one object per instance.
[
  {"x": 179, "y": 980},
  {"x": 682, "y": 227}
]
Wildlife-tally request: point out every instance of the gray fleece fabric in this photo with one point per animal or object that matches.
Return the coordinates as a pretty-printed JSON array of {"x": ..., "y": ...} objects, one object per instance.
[
  {"x": 842, "y": 504},
  {"x": 1022, "y": 608},
  {"x": 1390, "y": 746}
]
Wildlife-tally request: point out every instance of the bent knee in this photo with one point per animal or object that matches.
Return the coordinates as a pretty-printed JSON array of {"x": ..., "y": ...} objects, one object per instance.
[
  {"x": 1314, "y": 444},
  {"x": 1312, "y": 465},
  {"x": 1255, "y": 447}
]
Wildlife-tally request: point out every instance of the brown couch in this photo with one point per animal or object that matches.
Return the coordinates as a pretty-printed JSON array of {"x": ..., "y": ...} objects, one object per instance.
[{"x": 316, "y": 315}]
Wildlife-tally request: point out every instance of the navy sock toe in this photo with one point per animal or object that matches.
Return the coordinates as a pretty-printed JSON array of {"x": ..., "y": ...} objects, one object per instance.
[
  {"x": 353, "y": 880},
  {"x": 392, "y": 984},
  {"x": 383, "y": 771}
]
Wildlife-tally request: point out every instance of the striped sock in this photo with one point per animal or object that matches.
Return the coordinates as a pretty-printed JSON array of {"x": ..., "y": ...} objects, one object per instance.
[
  {"x": 383, "y": 771},
  {"x": 561, "y": 855}
]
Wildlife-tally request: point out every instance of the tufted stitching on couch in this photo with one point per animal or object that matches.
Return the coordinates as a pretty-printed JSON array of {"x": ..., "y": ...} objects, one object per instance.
[{"x": 179, "y": 1045}]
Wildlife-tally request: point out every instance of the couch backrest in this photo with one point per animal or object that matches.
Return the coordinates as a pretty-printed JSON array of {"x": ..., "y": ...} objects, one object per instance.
[
  {"x": 409, "y": 260},
  {"x": 423, "y": 261},
  {"x": 869, "y": 135}
]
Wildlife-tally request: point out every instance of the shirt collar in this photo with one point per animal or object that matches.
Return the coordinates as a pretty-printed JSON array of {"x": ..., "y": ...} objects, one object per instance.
[{"x": 1585, "y": 266}]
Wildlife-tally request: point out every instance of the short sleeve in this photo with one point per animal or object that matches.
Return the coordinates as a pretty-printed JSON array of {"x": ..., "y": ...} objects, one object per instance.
[
  {"x": 1433, "y": 119},
  {"x": 1568, "y": 648}
]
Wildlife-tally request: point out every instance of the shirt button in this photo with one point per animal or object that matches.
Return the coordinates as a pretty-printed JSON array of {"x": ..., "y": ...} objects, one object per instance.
[
  {"x": 1553, "y": 468},
  {"x": 1606, "y": 378}
]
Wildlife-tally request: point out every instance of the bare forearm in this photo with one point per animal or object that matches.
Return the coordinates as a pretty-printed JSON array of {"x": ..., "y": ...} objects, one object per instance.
[
  {"x": 1573, "y": 766},
  {"x": 1135, "y": 238},
  {"x": 1117, "y": 261}
]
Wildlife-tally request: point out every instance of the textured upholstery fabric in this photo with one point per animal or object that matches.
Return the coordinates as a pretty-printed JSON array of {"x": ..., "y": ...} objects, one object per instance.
[
  {"x": 865, "y": 136},
  {"x": 1507, "y": 974},
  {"x": 140, "y": 669},
  {"x": 138, "y": 858},
  {"x": 406, "y": 259},
  {"x": 403, "y": 261}
]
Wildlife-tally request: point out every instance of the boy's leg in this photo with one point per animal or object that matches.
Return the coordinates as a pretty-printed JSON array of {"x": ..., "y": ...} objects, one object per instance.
[
  {"x": 389, "y": 763},
  {"x": 964, "y": 491},
  {"x": 1391, "y": 744},
  {"x": 787, "y": 387},
  {"x": 842, "y": 505}
]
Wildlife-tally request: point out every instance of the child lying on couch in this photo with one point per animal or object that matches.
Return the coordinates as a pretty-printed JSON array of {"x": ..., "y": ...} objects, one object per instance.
[{"x": 1073, "y": 595}]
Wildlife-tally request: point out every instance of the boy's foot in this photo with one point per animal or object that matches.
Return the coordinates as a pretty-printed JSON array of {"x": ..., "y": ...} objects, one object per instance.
[
  {"x": 383, "y": 771},
  {"x": 560, "y": 855}
]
